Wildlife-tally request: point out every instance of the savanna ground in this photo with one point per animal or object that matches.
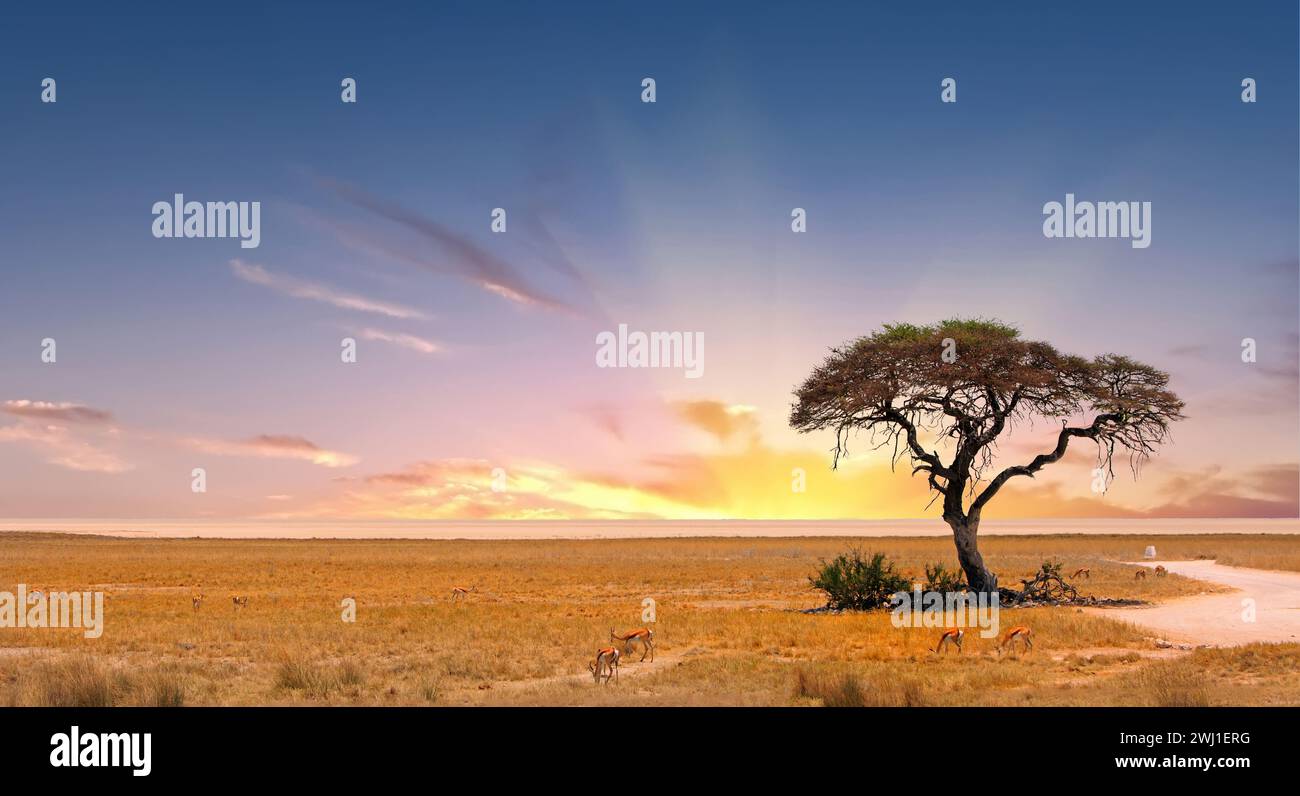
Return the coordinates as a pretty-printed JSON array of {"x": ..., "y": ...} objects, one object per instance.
[{"x": 730, "y": 626}]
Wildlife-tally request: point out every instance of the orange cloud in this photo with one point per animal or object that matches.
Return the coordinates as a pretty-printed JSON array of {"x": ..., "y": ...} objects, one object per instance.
[
  {"x": 747, "y": 479},
  {"x": 468, "y": 489},
  {"x": 722, "y": 420}
]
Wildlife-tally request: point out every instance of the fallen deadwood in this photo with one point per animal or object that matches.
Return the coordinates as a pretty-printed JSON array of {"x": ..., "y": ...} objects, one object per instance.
[
  {"x": 1014, "y": 599},
  {"x": 1049, "y": 587}
]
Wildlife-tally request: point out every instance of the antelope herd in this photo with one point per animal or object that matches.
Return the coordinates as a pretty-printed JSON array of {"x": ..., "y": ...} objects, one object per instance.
[
  {"x": 1142, "y": 573},
  {"x": 603, "y": 668},
  {"x": 237, "y": 601},
  {"x": 1139, "y": 575},
  {"x": 608, "y": 659},
  {"x": 1019, "y": 633}
]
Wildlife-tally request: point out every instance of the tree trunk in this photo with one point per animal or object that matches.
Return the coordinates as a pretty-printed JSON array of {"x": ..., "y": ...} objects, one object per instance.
[{"x": 978, "y": 577}]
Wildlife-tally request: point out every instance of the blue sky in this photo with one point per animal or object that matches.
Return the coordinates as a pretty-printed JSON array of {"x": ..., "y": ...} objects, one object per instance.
[{"x": 671, "y": 215}]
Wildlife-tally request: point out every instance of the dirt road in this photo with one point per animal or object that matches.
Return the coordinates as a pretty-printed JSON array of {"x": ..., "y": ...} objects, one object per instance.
[{"x": 1223, "y": 619}]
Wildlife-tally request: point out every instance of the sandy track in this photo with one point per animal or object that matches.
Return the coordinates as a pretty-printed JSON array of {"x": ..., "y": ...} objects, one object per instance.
[{"x": 1217, "y": 619}]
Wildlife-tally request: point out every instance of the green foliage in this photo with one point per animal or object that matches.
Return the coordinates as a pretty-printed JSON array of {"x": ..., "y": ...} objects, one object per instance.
[
  {"x": 940, "y": 578},
  {"x": 958, "y": 328},
  {"x": 1050, "y": 569},
  {"x": 854, "y": 583},
  {"x": 900, "y": 332}
]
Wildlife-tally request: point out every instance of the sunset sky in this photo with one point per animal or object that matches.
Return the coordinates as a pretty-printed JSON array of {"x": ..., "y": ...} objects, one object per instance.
[{"x": 476, "y": 350}]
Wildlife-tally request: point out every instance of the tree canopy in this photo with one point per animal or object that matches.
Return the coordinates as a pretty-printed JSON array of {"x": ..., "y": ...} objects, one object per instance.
[{"x": 964, "y": 383}]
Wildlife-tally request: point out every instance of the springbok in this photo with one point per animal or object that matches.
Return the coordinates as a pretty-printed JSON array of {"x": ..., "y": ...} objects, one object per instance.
[
  {"x": 239, "y": 602},
  {"x": 197, "y": 600},
  {"x": 1084, "y": 571},
  {"x": 607, "y": 662},
  {"x": 457, "y": 592},
  {"x": 954, "y": 636},
  {"x": 643, "y": 636},
  {"x": 1140, "y": 574},
  {"x": 1161, "y": 571},
  {"x": 1018, "y": 632}
]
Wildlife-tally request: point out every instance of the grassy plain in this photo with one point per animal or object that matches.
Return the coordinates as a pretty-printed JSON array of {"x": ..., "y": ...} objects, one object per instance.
[{"x": 729, "y": 622}]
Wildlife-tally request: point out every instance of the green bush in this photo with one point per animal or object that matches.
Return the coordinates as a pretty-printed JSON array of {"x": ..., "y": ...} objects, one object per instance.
[
  {"x": 854, "y": 583},
  {"x": 940, "y": 578}
]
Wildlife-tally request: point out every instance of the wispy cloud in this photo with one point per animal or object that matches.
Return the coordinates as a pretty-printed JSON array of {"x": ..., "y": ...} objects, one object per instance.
[
  {"x": 64, "y": 449},
  {"x": 313, "y": 291},
  {"x": 400, "y": 339},
  {"x": 41, "y": 427},
  {"x": 273, "y": 446},
  {"x": 466, "y": 489},
  {"x": 461, "y": 256},
  {"x": 63, "y": 412}
]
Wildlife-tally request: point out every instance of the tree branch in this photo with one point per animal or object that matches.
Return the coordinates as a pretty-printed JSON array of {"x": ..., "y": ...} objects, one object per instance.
[{"x": 1040, "y": 461}]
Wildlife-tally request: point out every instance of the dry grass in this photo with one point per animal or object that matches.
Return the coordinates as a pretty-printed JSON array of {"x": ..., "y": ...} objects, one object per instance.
[
  {"x": 1266, "y": 556},
  {"x": 160, "y": 688},
  {"x": 848, "y": 690},
  {"x": 78, "y": 681},
  {"x": 1218, "y": 676},
  {"x": 730, "y": 630},
  {"x": 1171, "y": 685},
  {"x": 82, "y": 680}
]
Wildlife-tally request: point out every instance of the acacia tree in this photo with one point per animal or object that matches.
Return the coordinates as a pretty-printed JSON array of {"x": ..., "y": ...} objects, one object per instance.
[{"x": 959, "y": 385}]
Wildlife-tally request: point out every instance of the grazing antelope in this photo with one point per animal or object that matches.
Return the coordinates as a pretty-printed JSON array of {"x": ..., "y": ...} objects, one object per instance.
[
  {"x": 1084, "y": 571},
  {"x": 197, "y": 600},
  {"x": 239, "y": 602},
  {"x": 1161, "y": 571},
  {"x": 643, "y": 636},
  {"x": 954, "y": 636},
  {"x": 1140, "y": 574},
  {"x": 1018, "y": 632},
  {"x": 457, "y": 592},
  {"x": 607, "y": 662}
]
